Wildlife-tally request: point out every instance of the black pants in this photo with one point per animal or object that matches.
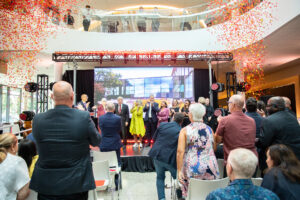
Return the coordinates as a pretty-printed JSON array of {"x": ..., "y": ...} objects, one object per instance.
[
  {"x": 86, "y": 24},
  {"x": 150, "y": 129},
  {"x": 77, "y": 196},
  {"x": 124, "y": 131}
]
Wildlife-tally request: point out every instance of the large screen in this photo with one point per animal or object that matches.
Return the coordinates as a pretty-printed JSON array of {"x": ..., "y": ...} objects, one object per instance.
[{"x": 139, "y": 83}]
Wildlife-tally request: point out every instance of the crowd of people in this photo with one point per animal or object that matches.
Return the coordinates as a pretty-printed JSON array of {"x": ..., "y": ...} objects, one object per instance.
[{"x": 57, "y": 163}]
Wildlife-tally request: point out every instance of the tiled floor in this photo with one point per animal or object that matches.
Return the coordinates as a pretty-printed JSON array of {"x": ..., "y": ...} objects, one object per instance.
[{"x": 138, "y": 186}]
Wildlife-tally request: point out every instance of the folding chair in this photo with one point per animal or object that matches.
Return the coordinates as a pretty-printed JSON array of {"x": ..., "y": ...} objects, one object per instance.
[
  {"x": 221, "y": 167},
  {"x": 257, "y": 181},
  {"x": 102, "y": 177},
  {"x": 114, "y": 168},
  {"x": 199, "y": 189}
]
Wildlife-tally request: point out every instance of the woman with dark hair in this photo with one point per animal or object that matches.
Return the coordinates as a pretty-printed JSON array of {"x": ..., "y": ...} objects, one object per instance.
[
  {"x": 283, "y": 174},
  {"x": 163, "y": 114},
  {"x": 27, "y": 150},
  {"x": 185, "y": 111},
  {"x": 261, "y": 108}
]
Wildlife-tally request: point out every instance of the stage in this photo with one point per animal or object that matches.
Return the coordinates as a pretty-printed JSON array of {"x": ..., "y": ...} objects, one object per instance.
[{"x": 136, "y": 159}]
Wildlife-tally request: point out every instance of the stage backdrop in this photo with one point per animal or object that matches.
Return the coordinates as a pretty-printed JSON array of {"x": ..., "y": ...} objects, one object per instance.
[
  {"x": 85, "y": 83},
  {"x": 201, "y": 85}
]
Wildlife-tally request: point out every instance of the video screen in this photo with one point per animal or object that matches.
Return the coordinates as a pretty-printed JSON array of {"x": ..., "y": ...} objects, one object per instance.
[{"x": 134, "y": 83}]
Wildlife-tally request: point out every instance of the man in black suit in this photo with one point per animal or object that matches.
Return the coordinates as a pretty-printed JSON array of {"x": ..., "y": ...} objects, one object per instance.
[
  {"x": 122, "y": 110},
  {"x": 63, "y": 136},
  {"x": 151, "y": 108},
  {"x": 110, "y": 126},
  {"x": 280, "y": 127},
  {"x": 288, "y": 106},
  {"x": 164, "y": 151},
  {"x": 84, "y": 104}
]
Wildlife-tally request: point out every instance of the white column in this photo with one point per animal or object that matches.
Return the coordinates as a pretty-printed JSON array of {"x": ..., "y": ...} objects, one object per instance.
[{"x": 58, "y": 70}]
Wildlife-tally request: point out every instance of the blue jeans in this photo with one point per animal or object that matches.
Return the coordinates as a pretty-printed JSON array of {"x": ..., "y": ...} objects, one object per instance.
[{"x": 161, "y": 168}]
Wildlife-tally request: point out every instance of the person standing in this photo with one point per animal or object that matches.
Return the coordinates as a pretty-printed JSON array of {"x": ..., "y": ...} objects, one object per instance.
[
  {"x": 110, "y": 126},
  {"x": 151, "y": 108},
  {"x": 280, "y": 127},
  {"x": 251, "y": 107},
  {"x": 122, "y": 110},
  {"x": 236, "y": 130},
  {"x": 137, "y": 128},
  {"x": 84, "y": 104},
  {"x": 175, "y": 108},
  {"x": 185, "y": 111},
  {"x": 63, "y": 135},
  {"x": 163, "y": 114},
  {"x": 69, "y": 19},
  {"x": 164, "y": 151},
  {"x": 209, "y": 111},
  {"x": 141, "y": 20},
  {"x": 195, "y": 152},
  {"x": 155, "y": 20},
  {"x": 87, "y": 17}
]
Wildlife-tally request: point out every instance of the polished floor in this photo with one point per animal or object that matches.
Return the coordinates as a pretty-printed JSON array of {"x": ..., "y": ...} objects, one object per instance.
[{"x": 138, "y": 186}]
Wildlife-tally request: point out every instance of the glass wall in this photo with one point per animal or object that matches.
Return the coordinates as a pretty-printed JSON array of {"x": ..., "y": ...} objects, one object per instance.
[{"x": 12, "y": 104}]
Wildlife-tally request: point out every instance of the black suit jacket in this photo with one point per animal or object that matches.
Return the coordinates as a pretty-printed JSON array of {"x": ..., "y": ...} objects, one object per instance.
[
  {"x": 280, "y": 128},
  {"x": 85, "y": 108},
  {"x": 124, "y": 112},
  {"x": 63, "y": 136},
  {"x": 166, "y": 139},
  {"x": 110, "y": 126},
  {"x": 154, "y": 110}
]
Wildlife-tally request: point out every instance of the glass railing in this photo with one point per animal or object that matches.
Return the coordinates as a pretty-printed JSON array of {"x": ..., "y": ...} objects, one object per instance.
[{"x": 152, "y": 19}]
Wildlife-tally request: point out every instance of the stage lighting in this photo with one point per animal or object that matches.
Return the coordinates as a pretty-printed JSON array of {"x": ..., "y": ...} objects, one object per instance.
[
  {"x": 51, "y": 85},
  {"x": 31, "y": 87},
  {"x": 217, "y": 87},
  {"x": 27, "y": 115}
]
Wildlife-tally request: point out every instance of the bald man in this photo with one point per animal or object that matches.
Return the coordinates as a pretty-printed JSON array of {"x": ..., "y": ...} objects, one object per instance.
[
  {"x": 236, "y": 130},
  {"x": 280, "y": 127},
  {"x": 63, "y": 136},
  {"x": 288, "y": 106}
]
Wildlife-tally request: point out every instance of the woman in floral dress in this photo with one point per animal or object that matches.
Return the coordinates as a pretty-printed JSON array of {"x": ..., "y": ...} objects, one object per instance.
[{"x": 195, "y": 153}]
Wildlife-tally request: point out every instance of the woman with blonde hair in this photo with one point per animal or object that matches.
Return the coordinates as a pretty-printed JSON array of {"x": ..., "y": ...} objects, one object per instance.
[
  {"x": 14, "y": 177},
  {"x": 137, "y": 127}
]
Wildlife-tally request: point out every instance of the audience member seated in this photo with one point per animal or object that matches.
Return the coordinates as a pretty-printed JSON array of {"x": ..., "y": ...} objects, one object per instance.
[
  {"x": 27, "y": 150},
  {"x": 63, "y": 136},
  {"x": 280, "y": 127},
  {"x": 241, "y": 165},
  {"x": 283, "y": 174},
  {"x": 236, "y": 130},
  {"x": 195, "y": 153},
  {"x": 163, "y": 114},
  {"x": 14, "y": 177},
  {"x": 110, "y": 126},
  {"x": 288, "y": 106},
  {"x": 164, "y": 151}
]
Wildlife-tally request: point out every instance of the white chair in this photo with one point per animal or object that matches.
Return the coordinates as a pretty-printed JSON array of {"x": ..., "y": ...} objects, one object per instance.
[
  {"x": 32, "y": 195},
  {"x": 111, "y": 156},
  {"x": 257, "y": 181},
  {"x": 199, "y": 189},
  {"x": 101, "y": 175},
  {"x": 221, "y": 167}
]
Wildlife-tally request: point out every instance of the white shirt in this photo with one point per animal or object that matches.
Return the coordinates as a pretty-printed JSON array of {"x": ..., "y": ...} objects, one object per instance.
[
  {"x": 150, "y": 110},
  {"x": 13, "y": 176},
  {"x": 87, "y": 13}
]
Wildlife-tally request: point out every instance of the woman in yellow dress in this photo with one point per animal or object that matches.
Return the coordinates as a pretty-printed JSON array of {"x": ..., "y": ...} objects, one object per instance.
[{"x": 137, "y": 127}]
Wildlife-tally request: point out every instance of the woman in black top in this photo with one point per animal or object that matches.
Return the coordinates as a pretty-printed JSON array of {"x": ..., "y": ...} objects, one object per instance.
[
  {"x": 283, "y": 174},
  {"x": 174, "y": 109},
  {"x": 185, "y": 111}
]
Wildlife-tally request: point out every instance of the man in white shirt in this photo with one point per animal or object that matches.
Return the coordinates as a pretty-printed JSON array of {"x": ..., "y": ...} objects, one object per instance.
[{"x": 87, "y": 17}]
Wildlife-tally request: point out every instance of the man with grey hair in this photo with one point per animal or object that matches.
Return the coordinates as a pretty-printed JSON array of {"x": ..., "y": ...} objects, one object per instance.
[
  {"x": 110, "y": 126},
  {"x": 288, "y": 106},
  {"x": 122, "y": 110},
  {"x": 236, "y": 130},
  {"x": 151, "y": 109},
  {"x": 63, "y": 136},
  {"x": 241, "y": 165}
]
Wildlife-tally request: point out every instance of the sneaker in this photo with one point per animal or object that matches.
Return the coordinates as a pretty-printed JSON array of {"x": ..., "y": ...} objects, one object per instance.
[
  {"x": 135, "y": 145},
  {"x": 141, "y": 145}
]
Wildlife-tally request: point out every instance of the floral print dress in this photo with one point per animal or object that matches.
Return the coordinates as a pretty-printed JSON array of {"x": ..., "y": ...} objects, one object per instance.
[{"x": 199, "y": 160}]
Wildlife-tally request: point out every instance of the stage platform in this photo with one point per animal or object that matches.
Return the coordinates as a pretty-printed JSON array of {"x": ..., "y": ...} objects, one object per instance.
[{"x": 136, "y": 159}]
